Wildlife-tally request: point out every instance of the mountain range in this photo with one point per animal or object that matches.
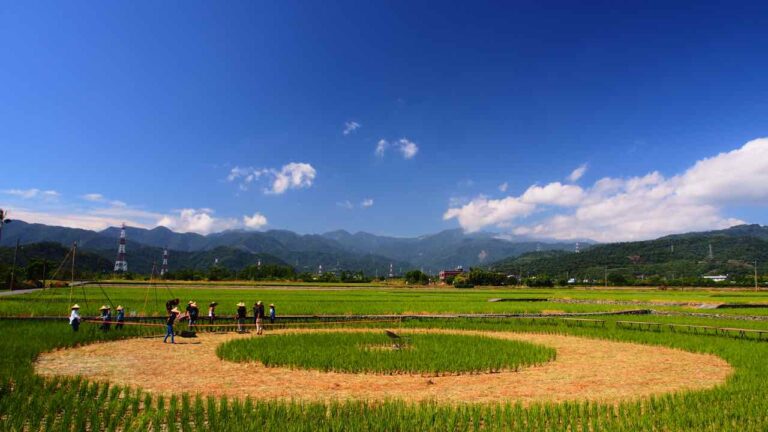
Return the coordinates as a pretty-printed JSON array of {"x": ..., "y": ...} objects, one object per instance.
[
  {"x": 732, "y": 251},
  {"x": 370, "y": 253}
]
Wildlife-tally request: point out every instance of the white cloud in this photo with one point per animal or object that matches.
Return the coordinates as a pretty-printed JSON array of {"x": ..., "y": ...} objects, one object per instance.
[
  {"x": 381, "y": 147},
  {"x": 199, "y": 221},
  {"x": 407, "y": 148},
  {"x": 554, "y": 193},
  {"x": 368, "y": 202},
  {"x": 256, "y": 221},
  {"x": 577, "y": 173},
  {"x": 32, "y": 193},
  {"x": 634, "y": 208},
  {"x": 94, "y": 197},
  {"x": 350, "y": 127},
  {"x": 295, "y": 175},
  {"x": 503, "y": 187},
  {"x": 482, "y": 212}
]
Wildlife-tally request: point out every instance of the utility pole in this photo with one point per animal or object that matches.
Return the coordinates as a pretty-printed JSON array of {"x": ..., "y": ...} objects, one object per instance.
[
  {"x": 74, "y": 253},
  {"x": 756, "y": 286},
  {"x": 13, "y": 269}
]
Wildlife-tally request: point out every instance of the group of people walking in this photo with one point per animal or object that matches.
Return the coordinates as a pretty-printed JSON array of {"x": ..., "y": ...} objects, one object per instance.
[
  {"x": 192, "y": 313},
  {"x": 105, "y": 315}
]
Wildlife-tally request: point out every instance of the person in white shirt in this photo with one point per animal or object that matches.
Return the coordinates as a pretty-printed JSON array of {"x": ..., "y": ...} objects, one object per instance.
[{"x": 74, "y": 318}]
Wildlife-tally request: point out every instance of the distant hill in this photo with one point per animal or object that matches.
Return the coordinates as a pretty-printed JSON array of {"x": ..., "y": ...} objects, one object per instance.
[
  {"x": 188, "y": 250},
  {"x": 734, "y": 251},
  {"x": 446, "y": 249}
]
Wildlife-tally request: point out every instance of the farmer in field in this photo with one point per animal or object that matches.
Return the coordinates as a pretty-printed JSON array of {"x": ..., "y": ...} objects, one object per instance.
[
  {"x": 193, "y": 312},
  {"x": 272, "y": 313},
  {"x": 172, "y": 315},
  {"x": 74, "y": 318},
  {"x": 106, "y": 317},
  {"x": 212, "y": 312},
  {"x": 240, "y": 316},
  {"x": 258, "y": 316},
  {"x": 120, "y": 317}
]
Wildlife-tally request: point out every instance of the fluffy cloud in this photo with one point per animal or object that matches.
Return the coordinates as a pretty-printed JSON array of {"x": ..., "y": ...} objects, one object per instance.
[
  {"x": 200, "y": 221},
  {"x": 350, "y": 127},
  {"x": 295, "y": 175},
  {"x": 553, "y": 194},
  {"x": 503, "y": 187},
  {"x": 32, "y": 193},
  {"x": 368, "y": 202},
  {"x": 482, "y": 212},
  {"x": 633, "y": 208},
  {"x": 577, "y": 173},
  {"x": 256, "y": 221},
  {"x": 407, "y": 148}
]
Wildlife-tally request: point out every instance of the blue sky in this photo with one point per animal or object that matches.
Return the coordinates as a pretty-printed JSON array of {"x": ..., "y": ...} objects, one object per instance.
[{"x": 158, "y": 112}]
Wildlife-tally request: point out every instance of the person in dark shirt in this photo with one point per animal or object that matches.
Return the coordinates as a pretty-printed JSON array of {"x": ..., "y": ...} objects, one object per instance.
[
  {"x": 240, "y": 316},
  {"x": 272, "y": 314},
  {"x": 172, "y": 315},
  {"x": 106, "y": 317},
  {"x": 120, "y": 317},
  {"x": 258, "y": 316},
  {"x": 193, "y": 312}
]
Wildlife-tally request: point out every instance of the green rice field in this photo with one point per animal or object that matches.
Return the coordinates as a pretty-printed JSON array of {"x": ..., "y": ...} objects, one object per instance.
[
  {"x": 434, "y": 354},
  {"x": 31, "y": 403}
]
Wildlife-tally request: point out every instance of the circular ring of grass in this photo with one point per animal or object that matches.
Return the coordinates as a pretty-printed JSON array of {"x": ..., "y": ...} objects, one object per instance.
[{"x": 373, "y": 352}]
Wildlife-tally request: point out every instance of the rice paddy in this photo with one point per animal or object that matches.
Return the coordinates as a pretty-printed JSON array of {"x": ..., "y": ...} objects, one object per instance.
[
  {"x": 30, "y": 402},
  {"x": 434, "y": 354}
]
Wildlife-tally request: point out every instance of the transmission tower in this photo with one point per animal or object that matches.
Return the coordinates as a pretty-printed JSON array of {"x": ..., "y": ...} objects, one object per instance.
[
  {"x": 577, "y": 248},
  {"x": 391, "y": 271},
  {"x": 121, "y": 265},
  {"x": 164, "y": 268},
  {"x": 710, "y": 255}
]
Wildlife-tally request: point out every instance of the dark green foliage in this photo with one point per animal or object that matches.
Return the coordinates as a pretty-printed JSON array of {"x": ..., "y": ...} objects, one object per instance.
[{"x": 416, "y": 277}]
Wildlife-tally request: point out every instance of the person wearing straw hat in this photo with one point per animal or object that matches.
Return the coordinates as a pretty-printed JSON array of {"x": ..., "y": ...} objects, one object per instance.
[
  {"x": 240, "y": 316},
  {"x": 172, "y": 315},
  {"x": 272, "y": 313},
  {"x": 120, "y": 317},
  {"x": 193, "y": 312},
  {"x": 106, "y": 317},
  {"x": 74, "y": 318},
  {"x": 258, "y": 316}
]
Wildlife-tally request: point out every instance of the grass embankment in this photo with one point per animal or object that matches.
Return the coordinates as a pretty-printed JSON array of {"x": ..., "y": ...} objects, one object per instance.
[{"x": 435, "y": 354}]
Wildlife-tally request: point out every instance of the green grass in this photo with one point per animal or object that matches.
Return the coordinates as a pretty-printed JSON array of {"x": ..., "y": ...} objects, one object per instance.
[{"x": 435, "y": 354}]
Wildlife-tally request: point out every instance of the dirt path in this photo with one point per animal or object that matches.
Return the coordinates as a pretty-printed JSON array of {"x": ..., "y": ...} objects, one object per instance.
[{"x": 585, "y": 369}]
